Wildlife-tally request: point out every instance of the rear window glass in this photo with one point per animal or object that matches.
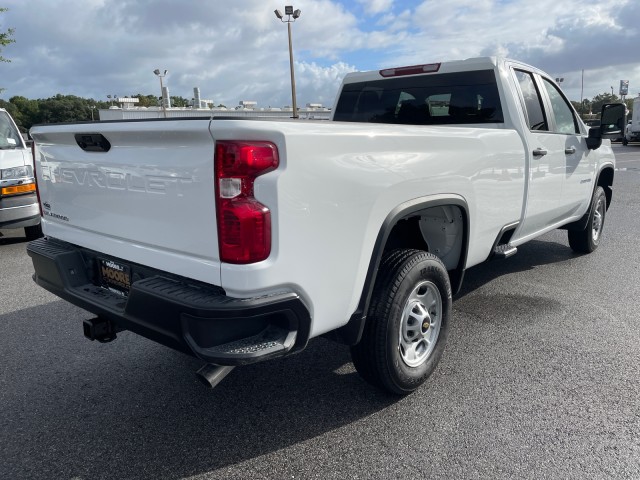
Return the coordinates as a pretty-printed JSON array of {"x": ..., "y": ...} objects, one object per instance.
[{"x": 440, "y": 99}]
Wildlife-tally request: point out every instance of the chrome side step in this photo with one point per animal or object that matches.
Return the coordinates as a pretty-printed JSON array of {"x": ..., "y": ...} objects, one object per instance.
[{"x": 504, "y": 251}]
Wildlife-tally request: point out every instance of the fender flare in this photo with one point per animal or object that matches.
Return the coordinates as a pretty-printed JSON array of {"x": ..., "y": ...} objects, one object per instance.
[
  {"x": 581, "y": 224},
  {"x": 351, "y": 333}
]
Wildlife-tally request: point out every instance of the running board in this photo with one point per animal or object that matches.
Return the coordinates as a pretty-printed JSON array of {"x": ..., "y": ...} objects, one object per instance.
[{"x": 504, "y": 251}]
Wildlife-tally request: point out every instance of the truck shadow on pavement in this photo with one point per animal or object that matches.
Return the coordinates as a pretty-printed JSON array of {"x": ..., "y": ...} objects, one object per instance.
[
  {"x": 6, "y": 240},
  {"x": 134, "y": 409},
  {"x": 533, "y": 254}
]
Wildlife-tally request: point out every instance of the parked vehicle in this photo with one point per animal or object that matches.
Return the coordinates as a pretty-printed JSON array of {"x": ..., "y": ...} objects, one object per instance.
[
  {"x": 18, "y": 201},
  {"x": 632, "y": 131},
  {"x": 238, "y": 241}
]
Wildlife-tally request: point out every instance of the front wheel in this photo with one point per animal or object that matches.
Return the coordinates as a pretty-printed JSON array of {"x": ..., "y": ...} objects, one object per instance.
[
  {"x": 407, "y": 322},
  {"x": 587, "y": 240}
]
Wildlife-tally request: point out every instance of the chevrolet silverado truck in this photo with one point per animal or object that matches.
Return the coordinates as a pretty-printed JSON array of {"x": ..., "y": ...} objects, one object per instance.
[
  {"x": 18, "y": 200},
  {"x": 238, "y": 241}
]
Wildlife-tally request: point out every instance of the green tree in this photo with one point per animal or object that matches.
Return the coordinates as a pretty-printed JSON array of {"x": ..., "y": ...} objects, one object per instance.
[
  {"x": 180, "y": 102},
  {"x": 577, "y": 106},
  {"x": 146, "y": 100},
  {"x": 601, "y": 99},
  {"x": 65, "y": 108},
  {"x": 5, "y": 39},
  {"x": 25, "y": 112}
]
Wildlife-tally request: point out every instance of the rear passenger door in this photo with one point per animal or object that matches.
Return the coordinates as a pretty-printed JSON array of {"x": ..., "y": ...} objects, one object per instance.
[{"x": 546, "y": 159}]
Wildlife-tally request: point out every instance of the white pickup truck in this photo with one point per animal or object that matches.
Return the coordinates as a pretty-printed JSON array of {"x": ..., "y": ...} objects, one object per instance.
[{"x": 239, "y": 241}]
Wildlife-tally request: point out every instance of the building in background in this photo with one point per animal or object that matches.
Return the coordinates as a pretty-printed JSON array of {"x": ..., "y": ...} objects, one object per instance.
[{"x": 127, "y": 110}]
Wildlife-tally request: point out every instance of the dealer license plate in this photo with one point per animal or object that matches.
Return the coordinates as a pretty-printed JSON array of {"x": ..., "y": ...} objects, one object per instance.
[{"x": 114, "y": 276}]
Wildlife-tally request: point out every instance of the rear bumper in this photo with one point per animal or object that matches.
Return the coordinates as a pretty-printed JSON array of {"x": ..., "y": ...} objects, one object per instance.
[{"x": 188, "y": 316}]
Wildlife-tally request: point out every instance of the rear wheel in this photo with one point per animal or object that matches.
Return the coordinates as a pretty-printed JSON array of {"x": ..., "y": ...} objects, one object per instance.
[
  {"x": 587, "y": 240},
  {"x": 407, "y": 322}
]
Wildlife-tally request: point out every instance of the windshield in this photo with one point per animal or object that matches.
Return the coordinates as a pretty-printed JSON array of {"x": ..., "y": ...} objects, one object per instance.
[{"x": 9, "y": 136}]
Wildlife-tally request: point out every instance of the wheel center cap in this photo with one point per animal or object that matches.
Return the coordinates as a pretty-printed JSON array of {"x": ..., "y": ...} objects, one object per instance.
[{"x": 426, "y": 324}]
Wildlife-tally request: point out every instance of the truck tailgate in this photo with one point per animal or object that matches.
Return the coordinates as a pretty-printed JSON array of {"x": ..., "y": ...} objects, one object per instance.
[{"x": 133, "y": 190}]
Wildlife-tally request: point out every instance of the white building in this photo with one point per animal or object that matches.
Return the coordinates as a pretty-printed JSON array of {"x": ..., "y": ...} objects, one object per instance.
[{"x": 126, "y": 112}]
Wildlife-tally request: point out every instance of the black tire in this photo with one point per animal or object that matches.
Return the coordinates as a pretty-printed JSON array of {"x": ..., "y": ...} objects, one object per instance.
[
  {"x": 34, "y": 232},
  {"x": 587, "y": 240},
  {"x": 399, "y": 348}
]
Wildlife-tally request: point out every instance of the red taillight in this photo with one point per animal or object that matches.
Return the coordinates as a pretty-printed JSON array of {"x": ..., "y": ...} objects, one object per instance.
[
  {"x": 244, "y": 224},
  {"x": 35, "y": 174}
]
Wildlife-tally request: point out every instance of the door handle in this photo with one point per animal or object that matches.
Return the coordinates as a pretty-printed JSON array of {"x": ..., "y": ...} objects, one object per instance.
[
  {"x": 539, "y": 152},
  {"x": 570, "y": 150}
]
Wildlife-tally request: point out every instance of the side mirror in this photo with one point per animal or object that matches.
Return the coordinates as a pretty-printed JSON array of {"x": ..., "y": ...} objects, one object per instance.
[
  {"x": 611, "y": 125},
  {"x": 594, "y": 140},
  {"x": 612, "y": 120}
]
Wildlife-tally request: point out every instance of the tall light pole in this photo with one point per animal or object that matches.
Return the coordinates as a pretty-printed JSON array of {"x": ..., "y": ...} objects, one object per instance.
[
  {"x": 290, "y": 13},
  {"x": 161, "y": 75}
]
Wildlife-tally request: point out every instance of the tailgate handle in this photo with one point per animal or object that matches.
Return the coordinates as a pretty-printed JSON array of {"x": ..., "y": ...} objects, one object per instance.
[{"x": 92, "y": 142}]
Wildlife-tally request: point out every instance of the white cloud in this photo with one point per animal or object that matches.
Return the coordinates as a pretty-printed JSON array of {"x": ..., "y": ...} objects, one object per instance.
[
  {"x": 319, "y": 83},
  {"x": 238, "y": 51},
  {"x": 373, "y": 7}
]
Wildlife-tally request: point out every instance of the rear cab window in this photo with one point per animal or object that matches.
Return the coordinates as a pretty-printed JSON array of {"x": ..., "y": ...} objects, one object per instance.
[
  {"x": 534, "y": 111},
  {"x": 436, "y": 99}
]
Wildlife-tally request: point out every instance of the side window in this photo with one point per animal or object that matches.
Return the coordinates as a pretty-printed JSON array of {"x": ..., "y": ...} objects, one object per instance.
[
  {"x": 532, "y": 101},
  {"x": 8, "y": 135},
  {"x": 565, "y": 120}
]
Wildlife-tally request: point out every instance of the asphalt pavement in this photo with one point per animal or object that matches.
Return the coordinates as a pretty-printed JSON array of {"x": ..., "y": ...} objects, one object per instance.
[{"x": 540, "y": 379}]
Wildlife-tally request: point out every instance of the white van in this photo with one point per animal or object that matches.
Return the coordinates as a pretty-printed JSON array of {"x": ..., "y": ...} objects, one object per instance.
[
  {"x": 18, "y": 200},
  {"x": 632, "y": 132}
]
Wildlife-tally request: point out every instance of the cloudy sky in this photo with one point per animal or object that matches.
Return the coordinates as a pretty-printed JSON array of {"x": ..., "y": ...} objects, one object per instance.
[{"x": 237, "y": 49}]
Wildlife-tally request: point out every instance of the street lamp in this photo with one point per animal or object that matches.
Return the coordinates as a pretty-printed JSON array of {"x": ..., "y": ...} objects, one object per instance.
[
  {"x": 290, "y": 13},
  {"x": 161, "y": 75}
]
